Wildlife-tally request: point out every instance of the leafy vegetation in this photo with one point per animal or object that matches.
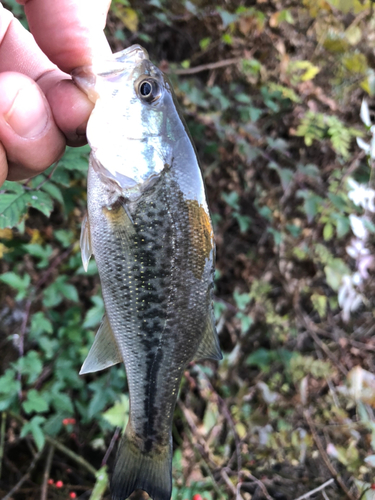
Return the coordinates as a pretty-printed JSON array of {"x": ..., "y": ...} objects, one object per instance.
[{"x": 273, "y": 93}]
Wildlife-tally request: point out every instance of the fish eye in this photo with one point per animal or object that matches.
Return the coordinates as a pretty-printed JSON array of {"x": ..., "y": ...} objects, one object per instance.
[
  {"x": 145, "y": 89},
  {"x": 148, "y": 90}
]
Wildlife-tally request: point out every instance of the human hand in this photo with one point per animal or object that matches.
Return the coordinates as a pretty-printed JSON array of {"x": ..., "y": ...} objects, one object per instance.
[{"x": 41, "y": 110}]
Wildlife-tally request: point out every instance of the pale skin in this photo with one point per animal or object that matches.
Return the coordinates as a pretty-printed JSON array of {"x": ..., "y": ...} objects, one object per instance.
[{"x": 41, "y": 110}]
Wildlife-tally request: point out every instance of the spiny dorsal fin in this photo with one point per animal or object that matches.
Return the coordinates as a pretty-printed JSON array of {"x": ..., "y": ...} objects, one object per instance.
[
  {"x": 104, "y": 351},
  {"x": 209, "y": 347},
  {"x": 85, "y": 241}
]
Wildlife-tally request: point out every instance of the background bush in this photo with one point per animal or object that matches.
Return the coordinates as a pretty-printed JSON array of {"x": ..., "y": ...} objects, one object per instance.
[{"x": 273, "y": 95}]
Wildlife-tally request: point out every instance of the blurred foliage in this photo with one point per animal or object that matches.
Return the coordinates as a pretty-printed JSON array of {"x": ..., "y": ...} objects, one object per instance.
[{"x": 272, "y": 94}]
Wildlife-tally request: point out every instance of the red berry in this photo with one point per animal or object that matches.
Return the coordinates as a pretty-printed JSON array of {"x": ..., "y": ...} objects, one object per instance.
[
  {"x": 68, "y": 421},
  {"x": 50, "y": 481},
  {"x": 197, "y": 497},
  {"x": 73, "y": 495},
  {"x": 59, "y": 484},
  {"x": 373, "y": 486}
]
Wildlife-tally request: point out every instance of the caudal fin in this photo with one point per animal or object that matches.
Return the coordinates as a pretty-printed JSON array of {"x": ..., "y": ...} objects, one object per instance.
[{"x": 135, "y": 469}]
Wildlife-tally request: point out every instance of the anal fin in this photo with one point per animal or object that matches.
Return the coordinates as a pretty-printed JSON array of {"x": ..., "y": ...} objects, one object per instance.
[
  {"x": 85, "y": 242},
  {"x": 104, "y": 351},
  {"x": 209, "y": 347}
]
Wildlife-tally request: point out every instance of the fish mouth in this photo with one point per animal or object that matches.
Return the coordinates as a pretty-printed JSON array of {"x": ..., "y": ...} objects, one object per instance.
[{"x": 85, "y": 77}]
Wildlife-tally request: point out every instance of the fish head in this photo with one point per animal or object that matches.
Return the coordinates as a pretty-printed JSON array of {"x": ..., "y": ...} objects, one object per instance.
[{"x": 135, "y": 123}]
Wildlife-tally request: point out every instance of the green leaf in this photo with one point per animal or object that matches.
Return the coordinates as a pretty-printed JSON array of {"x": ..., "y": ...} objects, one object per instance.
[
  {"x": 12, "y": 187},
  {"x": 41, "y": 252},
  {"x": 118, "y": 415},
  {"x": 13, "y": 207},
  {"x": 263, "y": 358},
  {"x": 61, "y": 402},
  {"x": 101, "y": 484},
  {"x": 9, "y": 389},
  {"x": 94, "y": 314},
  {"x": 327, "y": 231},
  {"x": 40, "y": 324},
  {"x": 75, "y": 159},
  {"x": 312, "y": 203},
  {"x": 241, "y": 300},
  {"x": 64, "y": 236},
  {"x": 35, "y": 402},
  {"x": 54, "y": 294},
  {"x": 21, "y": 284},
  {"x": 29, "y": 365},
  {"x": 34, "y": 428},
  {"x": 335, "y": 271},
  {"x": 231, "y": 199},
  {"x": 320, "y": 304},
  {"x": 53, "y": 191}
]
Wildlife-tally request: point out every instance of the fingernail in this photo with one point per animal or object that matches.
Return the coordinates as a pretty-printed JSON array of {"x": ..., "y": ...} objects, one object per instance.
[{"x": 28, "y": 114}]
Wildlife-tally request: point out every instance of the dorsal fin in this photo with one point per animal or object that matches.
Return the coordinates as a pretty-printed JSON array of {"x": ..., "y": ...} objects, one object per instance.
[
  {"x": 209, "y": 347},
  {"x": 85, "y": 242},
  {"x": 104, "y": 351}
]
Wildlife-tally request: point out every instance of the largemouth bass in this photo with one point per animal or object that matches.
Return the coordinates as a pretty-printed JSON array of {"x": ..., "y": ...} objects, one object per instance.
[{"x": 149, "y": 228}]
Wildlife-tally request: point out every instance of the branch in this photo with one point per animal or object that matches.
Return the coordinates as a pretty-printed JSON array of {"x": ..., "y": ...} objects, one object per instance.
[
  {"x": 205, "y": 67},
  {"x": 325, "y": 458},
  {"x": 47, "y": 470},
  {"x": 25, "y": 477},
  {"x": 76, "y": 458},
  {"x": 319, "y": 488},
  {"x": 260, "y": 483}
]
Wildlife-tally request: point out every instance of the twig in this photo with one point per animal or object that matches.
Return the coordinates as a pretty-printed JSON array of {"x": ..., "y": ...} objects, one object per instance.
[
  {"x": 46, "y": 473},
  {"x": 76, "y": 458},
  {"x": 111, "y": 445},
  {"x": 190, "y": 435},
  {"x": 80, "y": 460},
  {"x": 325, "y": 458},
  {"x": 2, "y": 439},
  {"x": 319, "y": 488},
  {"x": 260, "y": 483},
  {"x": 25, "y": 477},
  {"x": 310, "y": 327},
  {"x": 47, "y": 178},
  {"x": 55, "y": 263},
  {"x": 205, "y": 67},
  {"x": 229, "y": 483}
]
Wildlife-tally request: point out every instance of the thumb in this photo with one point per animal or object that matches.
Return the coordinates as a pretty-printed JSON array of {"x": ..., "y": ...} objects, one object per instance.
[{"x": 28, "y": 133}]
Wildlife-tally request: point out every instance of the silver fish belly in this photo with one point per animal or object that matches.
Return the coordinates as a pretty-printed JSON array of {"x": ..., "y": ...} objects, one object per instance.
[{"x": 150, "y": 231}]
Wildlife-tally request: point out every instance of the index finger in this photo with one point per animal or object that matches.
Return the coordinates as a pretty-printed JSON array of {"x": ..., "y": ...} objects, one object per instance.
[{"x": 70, "y": 32}]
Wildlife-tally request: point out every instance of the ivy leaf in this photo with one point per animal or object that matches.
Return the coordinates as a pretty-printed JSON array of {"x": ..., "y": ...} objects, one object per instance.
[
  {"x": 30, "y": 365},
  {"x": 35, "y": 402},
  {"x": 40, "y": 324},
  {"x": 119, "y": 413},
  {"x": 76, "y": 159},
  {"x": 95, "y": 314},
  {"x": 21, "y": 284},
  {"x": 34, "y": 428}
]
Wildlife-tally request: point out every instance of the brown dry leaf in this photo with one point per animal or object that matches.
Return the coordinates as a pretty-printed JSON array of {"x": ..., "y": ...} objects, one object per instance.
[{"x": 6, "y": 234}]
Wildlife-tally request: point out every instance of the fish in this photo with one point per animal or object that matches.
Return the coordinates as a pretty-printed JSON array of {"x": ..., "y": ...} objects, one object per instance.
[{"x": 149, "y": 227}]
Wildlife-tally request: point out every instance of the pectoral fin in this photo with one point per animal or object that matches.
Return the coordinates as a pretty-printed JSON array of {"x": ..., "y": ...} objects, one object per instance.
[
  {"x": 104, "y": 351},
  {"x": 85, "y": 241},
  {"x": 209, "y": 347}
]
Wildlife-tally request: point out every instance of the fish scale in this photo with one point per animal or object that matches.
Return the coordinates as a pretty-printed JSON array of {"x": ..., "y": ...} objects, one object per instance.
[{"x": 150, "y": 232}]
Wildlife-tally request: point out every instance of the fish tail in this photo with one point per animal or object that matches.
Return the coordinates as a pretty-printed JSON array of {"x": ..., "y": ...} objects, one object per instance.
[{"x": 135, "y": 469}]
